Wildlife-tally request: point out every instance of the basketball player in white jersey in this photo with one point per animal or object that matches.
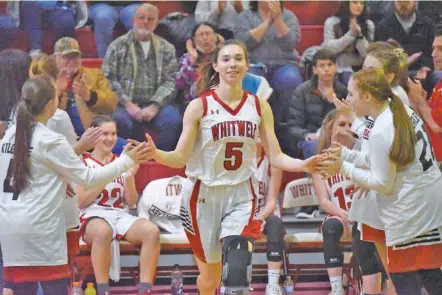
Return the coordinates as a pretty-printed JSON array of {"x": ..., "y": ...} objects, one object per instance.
[
  {"x": 105, "y": 217},
  {"x": 334, "y": 197},
  {"x": 218, "y": 145},
  {"x": 400, "y": 166},
  {"x": 269, "y": 181},
  {"x": 161, "y": 203},
  {"x": 33, "y": 235}
]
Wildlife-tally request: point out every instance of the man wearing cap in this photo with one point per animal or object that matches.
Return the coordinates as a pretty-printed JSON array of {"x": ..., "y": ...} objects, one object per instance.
[
  {"x": 141, "y": 67},
  {"x": 83, "y": 92}
]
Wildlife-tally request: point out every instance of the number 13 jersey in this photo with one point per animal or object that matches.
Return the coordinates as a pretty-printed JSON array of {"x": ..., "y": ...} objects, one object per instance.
[{"x": 225, "y": 148}]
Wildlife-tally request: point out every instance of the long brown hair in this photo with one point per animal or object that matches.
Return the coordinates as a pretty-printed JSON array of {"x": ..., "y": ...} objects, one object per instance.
[
  {"x": 207, "y": 76},
  {"x": 374, "y": 82},
  {"x": 44, "y": 65},
  {"x": 37, "y": 92},
  {"x": 325, "y": 136}
]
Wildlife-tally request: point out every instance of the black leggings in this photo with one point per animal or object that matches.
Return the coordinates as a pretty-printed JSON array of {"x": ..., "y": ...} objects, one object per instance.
[
  {"x": 55, "y": 287},
  {"x": 410, "y": 283}
]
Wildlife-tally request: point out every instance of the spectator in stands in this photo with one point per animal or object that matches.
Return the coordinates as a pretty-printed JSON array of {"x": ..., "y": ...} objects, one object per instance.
[
  {"x": 140, "y": 67},
  {"x": 271, "y": 34},
  {"x": 431, "y": 111},
  {"x": 222, "y": 14},
  {"x": 202, "y": 44},
  {"x": 8, "y": 29},
  {"x": 415, "y": 32},
  {"x": 311, "y": 101},
  {"x": 377, "y": 10},
  {"x": 105, "y": 15},
  {"x": 432, "y": 9},
  {"x": 83, "y": 92},
  {"x": 14, "y": 71},
  {"x": 347, "y": 34},
  {"x": 34, "y": 16}
]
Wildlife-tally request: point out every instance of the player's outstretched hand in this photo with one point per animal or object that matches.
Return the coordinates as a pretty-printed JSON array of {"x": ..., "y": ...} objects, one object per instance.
[
  {"x": 312, "y": 164},
  {"x": 138, "y": 153},
  {"x": 90, "y": 138}
]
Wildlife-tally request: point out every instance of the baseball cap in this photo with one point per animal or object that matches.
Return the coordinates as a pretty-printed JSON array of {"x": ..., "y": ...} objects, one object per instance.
[{"x": 66, "y": 45}]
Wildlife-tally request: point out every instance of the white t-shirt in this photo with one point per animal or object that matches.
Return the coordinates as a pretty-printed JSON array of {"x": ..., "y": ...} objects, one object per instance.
[
  {"x": 62, "y": 124},
  {"x": 408, "y": 200},
  {"x": 33, "y": 226}
]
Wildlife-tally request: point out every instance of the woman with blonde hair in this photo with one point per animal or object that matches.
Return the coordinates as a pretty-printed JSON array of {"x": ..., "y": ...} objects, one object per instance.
[{"x": 397, "y": 161}]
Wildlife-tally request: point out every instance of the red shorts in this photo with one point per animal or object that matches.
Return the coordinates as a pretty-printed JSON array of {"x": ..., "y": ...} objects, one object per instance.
[
  {"x": 23, "y": 274},
  {"x": 73, "y": 240},
  {"x": 422, "y": 252}
]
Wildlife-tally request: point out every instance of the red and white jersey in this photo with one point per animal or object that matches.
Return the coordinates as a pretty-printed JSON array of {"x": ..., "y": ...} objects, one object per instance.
[
  {"x": 262, "y": 175},
  {"x": 339, "y": 189},
  {"x": 112, "y": 195},
  {"x": 161, "y": 203},
  {"x": 225, "y": 148}
]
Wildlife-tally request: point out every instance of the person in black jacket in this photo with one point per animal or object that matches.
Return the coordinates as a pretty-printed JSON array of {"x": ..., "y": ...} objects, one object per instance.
[
  {"x": 415, "y": 32},
  {"x": 311, "y": 101}
]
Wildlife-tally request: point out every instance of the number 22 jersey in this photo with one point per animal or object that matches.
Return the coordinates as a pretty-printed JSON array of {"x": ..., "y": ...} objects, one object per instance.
[{"x": 225, "y": 148}]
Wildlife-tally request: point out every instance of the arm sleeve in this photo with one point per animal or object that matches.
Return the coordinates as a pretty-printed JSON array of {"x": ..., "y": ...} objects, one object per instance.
[
  {"x": 330, "y": 42},
  {"x": 166, "y": 91},
  {"x": 105, "y": 99},
  {"x": 358, "y": 126},
  {"x": 292, "y": 38},
  {"x": 356, "y": 157},
  {"x": 109, "y": 69},
  {"x": 242, "y": 31},
  {"x": 382, "y": 172},
  {"x": 62, "y": 158},
  {"x": 362, "y": 44},
  {"x": 297, "y": 116},
  {"x": 203, "y": 13}
]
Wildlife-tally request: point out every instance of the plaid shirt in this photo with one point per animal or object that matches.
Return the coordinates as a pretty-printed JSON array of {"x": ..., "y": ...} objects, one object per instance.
[
  {"x": 121, "y": 67},
  {"x": 186, "y": 77}
]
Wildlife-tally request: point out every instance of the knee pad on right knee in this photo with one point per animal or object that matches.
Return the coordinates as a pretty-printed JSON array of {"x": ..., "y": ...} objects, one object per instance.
[
  {"x": 332, "y": 231},
  {"x": 274, "y": 230},
  {"x": 237, "y": 265}
]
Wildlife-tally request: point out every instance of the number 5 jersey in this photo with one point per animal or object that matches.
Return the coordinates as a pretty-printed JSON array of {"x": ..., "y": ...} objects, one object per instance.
[{"x": 225, "y": 148}]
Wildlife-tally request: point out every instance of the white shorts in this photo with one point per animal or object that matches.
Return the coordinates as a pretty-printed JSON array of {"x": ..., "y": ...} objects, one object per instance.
[
  {"x": 210, "y": 214},
  {"x": 119, "y": 220}
]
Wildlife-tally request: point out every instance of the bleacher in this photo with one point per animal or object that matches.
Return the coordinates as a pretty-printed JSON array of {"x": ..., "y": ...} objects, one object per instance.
[{"x": 311, "y": 16}]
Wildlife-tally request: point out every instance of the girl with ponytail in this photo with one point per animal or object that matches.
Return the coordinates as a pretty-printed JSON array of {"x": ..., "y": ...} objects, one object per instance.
[
  {"x": 36, "y": 165},
  {"x": 397, "y": 161}
]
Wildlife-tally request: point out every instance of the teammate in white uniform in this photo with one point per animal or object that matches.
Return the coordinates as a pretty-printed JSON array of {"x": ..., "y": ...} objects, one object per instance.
[
  {"x": 269, "y": 181},
  {"x": 335, "y": 198},
  {"x": 35, "y": 175},
  {"x": 400, "y": 166},
  {"x": 105, "y": 217},
  {"x": 218, "y": 145}
]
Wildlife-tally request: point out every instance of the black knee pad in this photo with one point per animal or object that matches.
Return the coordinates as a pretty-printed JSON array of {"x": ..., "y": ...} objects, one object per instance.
[
  {"x": 274, "y": 230},
  {"x": 366, "y": 254},
  {"x": 237, "y": 265},
  {"x": 332, "y": 231}
]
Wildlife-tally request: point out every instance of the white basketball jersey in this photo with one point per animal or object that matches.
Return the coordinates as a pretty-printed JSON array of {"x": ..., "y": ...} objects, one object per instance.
[
  {"x": 161, "y": 202},
  {"x": 339, "y": 190},
  {"x": 225, "y": 149},
  {"x": 262, "y": 175},
  {"x": 112, "y": 196}
]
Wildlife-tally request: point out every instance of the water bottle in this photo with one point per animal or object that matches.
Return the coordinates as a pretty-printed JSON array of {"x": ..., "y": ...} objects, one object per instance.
[
  {"x": 90, "y": 290},
  {"x": 176, "y": 285},
  {"x": 76, "y": 289},
  {"x": 289, "y": 286}
]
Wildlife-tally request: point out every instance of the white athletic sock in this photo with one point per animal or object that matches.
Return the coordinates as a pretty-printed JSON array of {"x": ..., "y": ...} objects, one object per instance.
[
  {"x": 273, "y": 276},
  {"x": 336, "y": 284}
]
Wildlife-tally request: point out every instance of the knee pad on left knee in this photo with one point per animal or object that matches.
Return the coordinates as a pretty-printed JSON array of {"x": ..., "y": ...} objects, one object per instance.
[
  {"x": 332, "y": 231},
  {"x": 368, "y": 258},
  {"x": 274, "y": 231},
  {"x": 237, "y": 265}
]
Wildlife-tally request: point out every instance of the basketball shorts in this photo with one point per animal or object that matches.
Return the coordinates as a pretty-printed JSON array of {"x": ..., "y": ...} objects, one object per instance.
[
  {"x": 421, "y": 252},
  {"x": 119, "y": 220},
  {"x": 211, "y": 213}
]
